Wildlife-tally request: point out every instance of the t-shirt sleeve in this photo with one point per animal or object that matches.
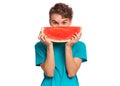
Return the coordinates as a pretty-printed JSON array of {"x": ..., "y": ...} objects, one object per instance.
[
  {"x": 79, "y": 51},
  {"x": 40, "y": 53}
]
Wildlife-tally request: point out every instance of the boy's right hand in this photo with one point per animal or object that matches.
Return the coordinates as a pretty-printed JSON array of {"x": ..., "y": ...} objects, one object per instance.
[{"x": 44, "y": 39}]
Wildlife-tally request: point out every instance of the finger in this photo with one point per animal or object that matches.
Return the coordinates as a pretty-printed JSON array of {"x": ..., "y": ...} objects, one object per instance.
[
  {"x": 40, "y": 32},
  {"x": 43, "y": 38},
  {"x": 74, "y": 36},
  {"x": 39, "y": 35},
  {"x": 80, "y": 34}
]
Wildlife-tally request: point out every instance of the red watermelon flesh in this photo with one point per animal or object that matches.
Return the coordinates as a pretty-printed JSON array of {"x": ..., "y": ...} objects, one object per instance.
[{"x": 60, "y": 34}]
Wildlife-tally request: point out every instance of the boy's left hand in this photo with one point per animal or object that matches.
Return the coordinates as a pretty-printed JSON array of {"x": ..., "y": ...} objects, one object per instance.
[{"x": 74, "y": 39}]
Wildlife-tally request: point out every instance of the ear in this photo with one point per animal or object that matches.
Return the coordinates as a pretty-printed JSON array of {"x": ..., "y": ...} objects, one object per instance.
[
  {"x": 50, "y": 22},
  {"x": 70, "y": 21}
]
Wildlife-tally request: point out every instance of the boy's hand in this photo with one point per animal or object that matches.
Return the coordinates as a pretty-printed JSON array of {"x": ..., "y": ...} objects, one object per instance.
[
  {"x": 74, "y": 39},
  {"x": 44, "y": 39}
]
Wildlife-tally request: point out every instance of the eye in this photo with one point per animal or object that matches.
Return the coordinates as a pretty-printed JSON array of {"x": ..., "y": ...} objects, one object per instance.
[
  {"x": 54, "y": 22},
  {"x": 64, "y": 22}
]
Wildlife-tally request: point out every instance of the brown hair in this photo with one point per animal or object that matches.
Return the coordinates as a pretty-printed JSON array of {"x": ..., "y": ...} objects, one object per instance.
[{"x": 62, "y": 9}]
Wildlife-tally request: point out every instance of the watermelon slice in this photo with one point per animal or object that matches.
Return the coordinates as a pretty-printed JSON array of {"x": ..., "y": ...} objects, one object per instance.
[{"x": 60, "y": 34}]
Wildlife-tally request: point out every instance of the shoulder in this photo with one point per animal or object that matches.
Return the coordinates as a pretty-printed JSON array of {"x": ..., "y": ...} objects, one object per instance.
[
  {"x": 79, "y": 50},
  {"x": 80, "y": 44},
  {"x": 39, "y": 44}
]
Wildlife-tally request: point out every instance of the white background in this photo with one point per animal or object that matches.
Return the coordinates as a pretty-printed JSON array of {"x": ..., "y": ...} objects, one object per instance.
[{"x": 20, "y": 22}]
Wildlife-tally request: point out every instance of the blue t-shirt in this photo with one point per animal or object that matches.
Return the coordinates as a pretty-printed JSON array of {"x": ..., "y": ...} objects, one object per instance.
[{"x": 60, "y": 74}]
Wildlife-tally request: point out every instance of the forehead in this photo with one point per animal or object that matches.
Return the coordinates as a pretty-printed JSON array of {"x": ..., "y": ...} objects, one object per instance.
[{"x": 57, "y": 17}]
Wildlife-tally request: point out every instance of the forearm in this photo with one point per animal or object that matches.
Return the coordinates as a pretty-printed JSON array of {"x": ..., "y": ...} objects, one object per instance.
[
  {"x": 48, "y": 66},
  {"x": 70, "y": 63}
]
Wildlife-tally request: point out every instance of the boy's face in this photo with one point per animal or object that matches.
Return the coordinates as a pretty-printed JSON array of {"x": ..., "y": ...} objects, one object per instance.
[{"x": 57, "y": 20}]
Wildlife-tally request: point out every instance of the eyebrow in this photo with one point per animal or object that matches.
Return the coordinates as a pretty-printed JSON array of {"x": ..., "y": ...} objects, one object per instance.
[
  {"x": 65, "y": 20},
  {"x": 62, "y": 21}
]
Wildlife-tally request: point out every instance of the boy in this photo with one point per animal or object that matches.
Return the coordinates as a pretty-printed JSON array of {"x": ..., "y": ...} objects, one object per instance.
[{"x": 60, "y": 61}]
